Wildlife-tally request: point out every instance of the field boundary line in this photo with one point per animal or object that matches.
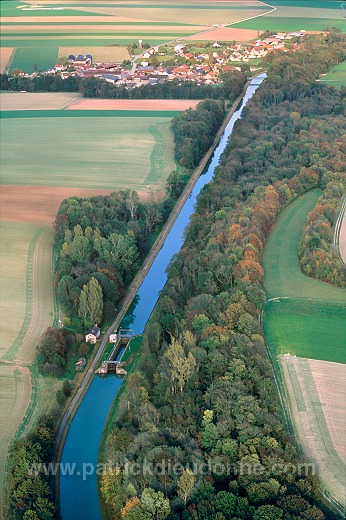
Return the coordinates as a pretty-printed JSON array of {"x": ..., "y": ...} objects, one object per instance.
[{"x": 256, "y": 16}]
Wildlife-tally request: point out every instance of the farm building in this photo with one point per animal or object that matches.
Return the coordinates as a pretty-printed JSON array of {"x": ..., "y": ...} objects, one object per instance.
[{"x": 93, "y": 334}]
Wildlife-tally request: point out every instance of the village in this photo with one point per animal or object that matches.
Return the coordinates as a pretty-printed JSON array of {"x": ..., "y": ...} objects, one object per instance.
[{"x": 199, "y": 62}]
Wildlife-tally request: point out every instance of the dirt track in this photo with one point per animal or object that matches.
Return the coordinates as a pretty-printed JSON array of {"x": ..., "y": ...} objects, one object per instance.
[{"x": 133, "y": 104}]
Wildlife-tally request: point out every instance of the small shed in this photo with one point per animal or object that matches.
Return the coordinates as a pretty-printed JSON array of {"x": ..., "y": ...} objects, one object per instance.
[{"x": 113, "y": 338}]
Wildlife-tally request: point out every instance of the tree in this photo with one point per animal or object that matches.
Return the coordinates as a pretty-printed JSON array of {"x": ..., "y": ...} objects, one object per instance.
[
  {"x": 185, "y": 485},
  {"x": 181, "y": 366},
  {"x": 133, "y": 502},
  {"x": 268, "y": 512},
  {"x": 95, "y": 301},
  {"x": 112, "y": 489},
  {"x": 60, "y": 397},
  {"x": 155, "y": 504},
  {"x": 91, "y": 303},
  {"x": 67, "y": 387}
]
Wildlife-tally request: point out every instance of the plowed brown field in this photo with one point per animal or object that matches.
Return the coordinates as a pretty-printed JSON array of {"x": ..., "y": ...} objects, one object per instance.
[
  {"x": 39, "y": 204},
  {"x": 134, "y": 104},
  {"x": 5, "y": 54},
  {"x": 226, "y": 34}
]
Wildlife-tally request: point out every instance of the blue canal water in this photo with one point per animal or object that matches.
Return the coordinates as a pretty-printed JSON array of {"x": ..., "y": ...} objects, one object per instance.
[{"x": 78, "y": 486}]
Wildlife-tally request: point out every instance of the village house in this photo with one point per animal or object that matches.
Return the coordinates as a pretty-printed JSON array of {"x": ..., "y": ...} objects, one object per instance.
[{"x": 93, "y": 334}]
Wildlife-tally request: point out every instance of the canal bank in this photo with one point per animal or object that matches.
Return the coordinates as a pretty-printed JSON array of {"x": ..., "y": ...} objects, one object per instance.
[{"x": 78, "y": 488}]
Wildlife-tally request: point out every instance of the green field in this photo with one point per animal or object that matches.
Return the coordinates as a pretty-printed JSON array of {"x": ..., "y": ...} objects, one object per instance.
[
  {"x": 27, "y": 58},
  {"x": 311, "y": 321},
  {"x": 288, "y": 24},
  {"x": 336, "y": 77},
  {"x": 14, "y": 8},
  {"x": 69, "y": 41},
  {"x": 316, "y": 4},
  {"x": 306, "y": 328},
  {"x": 282, "y": 274},
  {"x": 98, "y": 152}
]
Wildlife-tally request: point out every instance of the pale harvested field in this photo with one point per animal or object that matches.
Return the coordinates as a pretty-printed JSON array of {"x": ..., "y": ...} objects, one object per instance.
[
  {"x": 99, "y": 54},
  {"x": 116, "y": 29},
  {"x": 317, "y": 392},
  {"x": 72, "y": 19},
  {"x": 183, "y": 14},
  {"x": 5, "y": 55},
  {"x": 15, "y": 394},
  {"x": 37, "y": 101},
  {"x": 227, "y": 34},
  {"x": 330, "y": 381},
  {"x": 134, "y": 104},
  {"x": 39, "y": 204},
  {"x": 42, "y": 299},
  {"x": 18, "y": 241}
]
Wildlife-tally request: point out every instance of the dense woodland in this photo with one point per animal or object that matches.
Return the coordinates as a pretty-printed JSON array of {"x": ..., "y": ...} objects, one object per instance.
[
  {"x": 318, "y": 254},
  {"x": 29, "y": 487},
  {"x": 99, "y": 88},
  {"x": 205, "y": 394},
  {"x": 194, "y": 131}
]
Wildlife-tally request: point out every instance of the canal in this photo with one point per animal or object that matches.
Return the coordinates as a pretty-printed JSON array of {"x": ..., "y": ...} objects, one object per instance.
[{"x": 78, "y": 469}]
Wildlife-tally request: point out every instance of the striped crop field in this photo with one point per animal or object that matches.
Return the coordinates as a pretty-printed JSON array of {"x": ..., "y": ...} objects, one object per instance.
[
  {"x": 111, "y": 23},
  {"x": 34, "y": 58},
  {"x": 99, "y": 152}
]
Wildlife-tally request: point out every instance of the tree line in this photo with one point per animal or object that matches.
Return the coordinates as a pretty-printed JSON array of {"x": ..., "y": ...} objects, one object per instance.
[
  {"x": 232, "y": 82},
  {"x": 29, "y": 494},
  {"x": 205, "y": 395},
  {"x": 317, "y": 252},
  {"x": 194, "y": 131}
]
